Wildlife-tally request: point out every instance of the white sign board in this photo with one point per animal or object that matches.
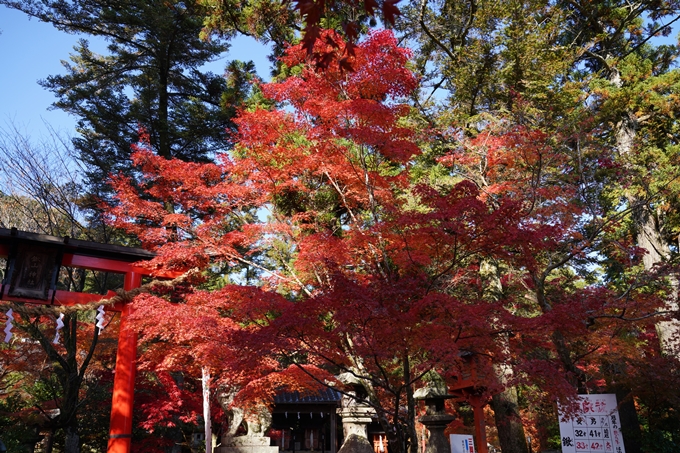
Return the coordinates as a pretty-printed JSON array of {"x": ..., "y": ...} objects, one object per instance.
[
  {"x": 461, "y": 443},
  {"x": 595, "y": 428}
]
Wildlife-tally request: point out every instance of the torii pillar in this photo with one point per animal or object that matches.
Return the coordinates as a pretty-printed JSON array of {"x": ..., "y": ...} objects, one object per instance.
[{"x": 120, "y": 429}]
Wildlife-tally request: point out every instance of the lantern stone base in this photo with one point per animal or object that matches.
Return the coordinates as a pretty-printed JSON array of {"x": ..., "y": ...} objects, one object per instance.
[
  {"x": 356, "y": 444},
  {"x": 245, "y": 444}
]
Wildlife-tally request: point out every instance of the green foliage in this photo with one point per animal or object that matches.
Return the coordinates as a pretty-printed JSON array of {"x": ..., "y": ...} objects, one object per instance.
[
  {"x": 17, "y": 434},
  {"x": 150, "y": 78}
]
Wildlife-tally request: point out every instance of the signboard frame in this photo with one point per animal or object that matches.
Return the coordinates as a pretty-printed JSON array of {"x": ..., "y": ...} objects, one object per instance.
[{"x": 595, "y": 428}]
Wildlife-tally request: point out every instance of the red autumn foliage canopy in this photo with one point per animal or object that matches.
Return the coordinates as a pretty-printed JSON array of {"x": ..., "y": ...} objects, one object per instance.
[{"x": 363, "y": 267}]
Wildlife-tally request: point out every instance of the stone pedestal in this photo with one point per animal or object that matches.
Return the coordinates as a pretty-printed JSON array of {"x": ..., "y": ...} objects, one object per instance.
[
  {"x": 437, "y": 442},
  {"x": 245, "y": 444},
  {"x": 356, "y": 444}
]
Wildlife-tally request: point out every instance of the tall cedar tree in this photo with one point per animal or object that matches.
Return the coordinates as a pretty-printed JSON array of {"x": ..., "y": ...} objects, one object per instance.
[{"x": 151, "y": 78}]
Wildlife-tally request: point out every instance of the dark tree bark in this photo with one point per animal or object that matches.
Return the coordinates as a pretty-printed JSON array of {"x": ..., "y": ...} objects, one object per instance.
[{"x": 508, "y": 421}]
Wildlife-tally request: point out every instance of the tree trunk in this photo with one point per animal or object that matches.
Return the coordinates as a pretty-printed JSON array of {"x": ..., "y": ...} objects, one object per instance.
[
  {"x": 649, "y": 238},
  {"x": 511, "y": 434},
  {"x": 630, "y": 425},
  {"x": 411, "y": 433},
  {"x": 508, "y": 422},
  {"x": 648, "y": 233},
  {"x": 72, "y": 442}
]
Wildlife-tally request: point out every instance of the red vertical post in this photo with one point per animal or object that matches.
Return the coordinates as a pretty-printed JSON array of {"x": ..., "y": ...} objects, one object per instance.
[
  {"x": 120, "y": 431},
  {"x": 480, "y": 424}
]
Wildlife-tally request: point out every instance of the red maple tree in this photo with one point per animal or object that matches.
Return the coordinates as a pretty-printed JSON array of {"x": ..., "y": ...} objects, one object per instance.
[{"x": 363, "y": 267}]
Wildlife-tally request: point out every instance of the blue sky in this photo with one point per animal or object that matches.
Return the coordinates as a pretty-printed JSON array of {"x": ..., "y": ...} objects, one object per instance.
[{"x": 31, "y": 50}]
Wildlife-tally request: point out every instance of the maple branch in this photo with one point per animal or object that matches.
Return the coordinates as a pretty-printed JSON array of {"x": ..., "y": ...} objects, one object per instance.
[
  {"x": 383, "y": 372},
  {"x": 367, "y": 183},
  {"x": 376, "y": 218},
  {"x": 40, "y": 408},
  {"x": 358, "y": 370},
  {"x": 275, "y": 274},
  {"x": 622, "y": 316},
  {"x": 294, "y": 278},
  {"x": 578, "y": 357},
  {"x": 447, "y": 269},
  {"x": 565, "y": 355},
  {"x": 349, "y": 209},
  {"x": 367, "y": 380},
  {"x": 342, "y": 196},
  {"x": 316, "y": 274}
]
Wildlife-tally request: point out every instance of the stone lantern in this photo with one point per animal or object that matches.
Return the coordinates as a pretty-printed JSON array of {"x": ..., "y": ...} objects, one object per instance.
[
  {"x": 435, "y": 419},
  {"x": 356, "y": 415}
]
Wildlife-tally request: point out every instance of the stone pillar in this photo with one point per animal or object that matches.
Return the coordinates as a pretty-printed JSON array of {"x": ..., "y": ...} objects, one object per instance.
[
  {"x": 435, "y": 419},
  {"x": 355, "y": 420}
]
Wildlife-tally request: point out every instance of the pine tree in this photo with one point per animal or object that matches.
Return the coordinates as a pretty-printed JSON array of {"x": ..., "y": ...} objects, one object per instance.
[{"x": 150, "y": 79}]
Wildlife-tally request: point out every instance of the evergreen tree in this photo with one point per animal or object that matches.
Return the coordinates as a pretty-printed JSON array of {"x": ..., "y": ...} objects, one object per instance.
[{"x": 151, "y": 79}]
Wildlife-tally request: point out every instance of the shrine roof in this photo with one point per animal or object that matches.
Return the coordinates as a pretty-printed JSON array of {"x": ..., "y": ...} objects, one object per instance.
[
  {"x": 322, "y": 396},
  {"x": 75, "y": 246}
]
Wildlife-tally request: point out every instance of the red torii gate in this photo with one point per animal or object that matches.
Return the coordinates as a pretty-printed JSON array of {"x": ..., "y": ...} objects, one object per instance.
[{"x": 33, "y": 262}]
